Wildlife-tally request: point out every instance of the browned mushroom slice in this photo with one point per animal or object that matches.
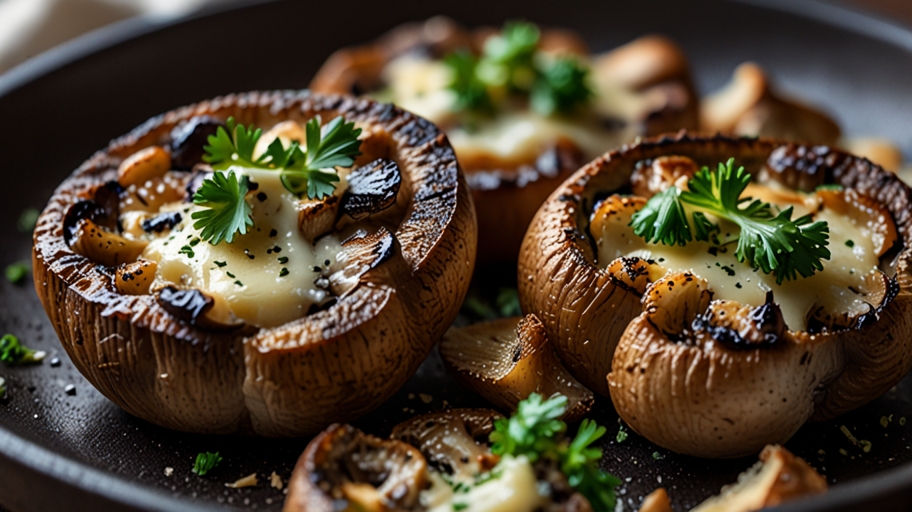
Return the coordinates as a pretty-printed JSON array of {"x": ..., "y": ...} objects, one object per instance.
[
  {"x": 102, "y": 246},
  {"x": 359, "y": 254},
  {"x": 648, "y": 179},
  {"x": 197, "y": 308},
  {"x": 656, "y": 501},
  {"x": 455, "y": 442},
  {"x": 344, "y": 469},
  {"x": 750, "y": 106},
  {"x": 317, "y": 217},
  {"x": 505, "y": 360},
  {"x": 778, "y": 477},
  {"x": 135, "y": 278},
  {"x": 371, "y": 188}
]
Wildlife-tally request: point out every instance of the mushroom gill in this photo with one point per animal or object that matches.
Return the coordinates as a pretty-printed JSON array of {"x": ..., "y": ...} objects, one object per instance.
[{"x": 507, "y": 359}]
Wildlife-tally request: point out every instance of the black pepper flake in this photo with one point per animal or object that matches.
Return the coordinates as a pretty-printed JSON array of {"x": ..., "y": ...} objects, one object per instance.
[
  {"x": 317, "y": 269},
  {"x": 283, "y": 260},
  {"x": 728, "y": 270},
  {"x": 252, "y": 185},
  {"x": 737, "y": 285},
  {"x": 55, "y": 362},
  {"x": 70, "y": 389},
  {"x": 261, "y": 196},
  {"x": 273, "y": 233},
  {"x": 326, "y": 263},
  {"x": 284, "y": 272},
  {"x": 713, "y": 250},
  {"x": 220, "y": 264},
  {"x": 232, "y": 276},
  {"x": 277, "y": 249},
  {"x": 247, "y": 253},
  {"x": 268, "y": 251},
  {"x": 850, "y": 243}
]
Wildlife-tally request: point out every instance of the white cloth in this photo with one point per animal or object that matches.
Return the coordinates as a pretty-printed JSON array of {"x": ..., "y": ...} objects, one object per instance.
[{"x": 29, "y": 27}]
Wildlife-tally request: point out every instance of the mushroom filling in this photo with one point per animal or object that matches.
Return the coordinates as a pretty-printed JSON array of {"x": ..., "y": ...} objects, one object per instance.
[
  {"x": 266, "y": 277},
  {"x": 509, "y": 106},
  {"x": 257, "y": 236},
  {"x": 850, "y": 285}
]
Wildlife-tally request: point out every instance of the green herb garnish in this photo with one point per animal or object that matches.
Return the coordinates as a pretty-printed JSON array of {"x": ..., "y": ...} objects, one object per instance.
[
  {"x": 187, "y": 250},
  {"x": 535, "y": 431},
  {"x": 2, "y": 388},
  {"x": 206, "y": 462},
  {"x": 226, "y": 212},
  {"x": 13, "y": 353},
  {"x": 621, "y": 435},
  {"x": 27, "y": 220},
  {"x": 511, "y": 62},
  {"x": 772, "y": 243},
  {"x": 562, "y": 86},
  {"x": 508, "y": 302},
  {"x": 16, "y": 272}
]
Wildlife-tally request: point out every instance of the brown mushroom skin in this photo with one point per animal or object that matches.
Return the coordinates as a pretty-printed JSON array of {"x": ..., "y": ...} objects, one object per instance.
[
  {"x": 586, "y": 310},
  {"x": 188, "y": 378},
  {"x": 507, "y": 194},
  {"x": 383, "y": 472}
]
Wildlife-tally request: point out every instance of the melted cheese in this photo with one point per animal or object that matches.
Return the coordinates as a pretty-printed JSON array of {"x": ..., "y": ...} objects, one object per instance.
[
  {"x": 516, "y": 489},
  {"x": 246, "y": 275},
  {"x": 515, "y": 135},
  {"x": 840, "y": 287}
]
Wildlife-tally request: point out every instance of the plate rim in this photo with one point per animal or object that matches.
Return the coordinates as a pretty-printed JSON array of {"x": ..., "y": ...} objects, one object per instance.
[{"x": 27, "y": 457}]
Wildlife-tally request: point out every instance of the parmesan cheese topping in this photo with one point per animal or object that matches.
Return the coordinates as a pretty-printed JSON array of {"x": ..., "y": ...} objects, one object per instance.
[
  {"x": 266, "y": 277},
  {"x": 845, "y": 283},
  {"x": 514, "y": 136}
]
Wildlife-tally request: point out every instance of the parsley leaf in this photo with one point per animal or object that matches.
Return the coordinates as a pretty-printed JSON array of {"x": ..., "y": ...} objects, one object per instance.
[
  {"x": 13, "y": 353},
  {"x": 233, "y": 147},
  {"x": 226, "y": 212},
  {"x": 27, "y": 220},
  {"x": 471, "y": 91},
  {"x": 206, "y": 462},
  {"x": 530, "y": 430},
  {"x": 533, "y": 431},
  {"x": 772, "y": 243},
  {"x": 509, "y": 58},
  {"x": 562, "y": 86},
  {"x": 663, "y": 219},
  {"x": 17, "y": 272}
]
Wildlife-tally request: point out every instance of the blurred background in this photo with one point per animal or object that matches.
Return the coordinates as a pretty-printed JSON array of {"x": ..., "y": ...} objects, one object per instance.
[{"x": 29, "y": 27}]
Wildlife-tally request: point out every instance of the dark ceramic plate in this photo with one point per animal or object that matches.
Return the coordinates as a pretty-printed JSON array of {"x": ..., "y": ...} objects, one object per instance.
[{"x": 79, "y": 452}]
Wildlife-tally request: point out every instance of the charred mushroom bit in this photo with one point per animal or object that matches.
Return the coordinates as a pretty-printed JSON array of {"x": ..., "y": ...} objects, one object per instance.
[
  {"x": 766, "y": 282},
  {"x": 462, "y": 459},
  {"x": 777, "y": 478},
  {"x": 319, "y": 242},
  {"x": 523, "y": 107},
  {"x": 506, "y": 360}
]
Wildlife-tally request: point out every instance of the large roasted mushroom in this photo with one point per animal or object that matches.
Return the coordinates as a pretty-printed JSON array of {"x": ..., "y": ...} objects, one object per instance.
[
  {"x": 440, "y": 462},
  {"x": 703, "y": 351},
  {"x": 516, "y": 105},
  {"x": 239, "y": 297}
]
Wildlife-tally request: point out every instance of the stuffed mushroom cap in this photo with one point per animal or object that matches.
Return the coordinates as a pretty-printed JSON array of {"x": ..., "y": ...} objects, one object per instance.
[
  {"x": 710, "y": 377},
  {"x": 514, "y": 158},
  {"x": 169, "y": 356}
]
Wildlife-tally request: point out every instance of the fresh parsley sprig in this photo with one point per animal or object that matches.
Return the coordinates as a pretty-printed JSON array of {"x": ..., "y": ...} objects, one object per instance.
[
  {"x": 535, "y": 431},
  {"x": 206, "y": 462},
  {"x": 511, "y": 61},
  {"x": 773, "y": 243},
  {"x": 13, "y": 352},
  {"x": 306, "y": 171},
  {"x": 225, "y": 212}
]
